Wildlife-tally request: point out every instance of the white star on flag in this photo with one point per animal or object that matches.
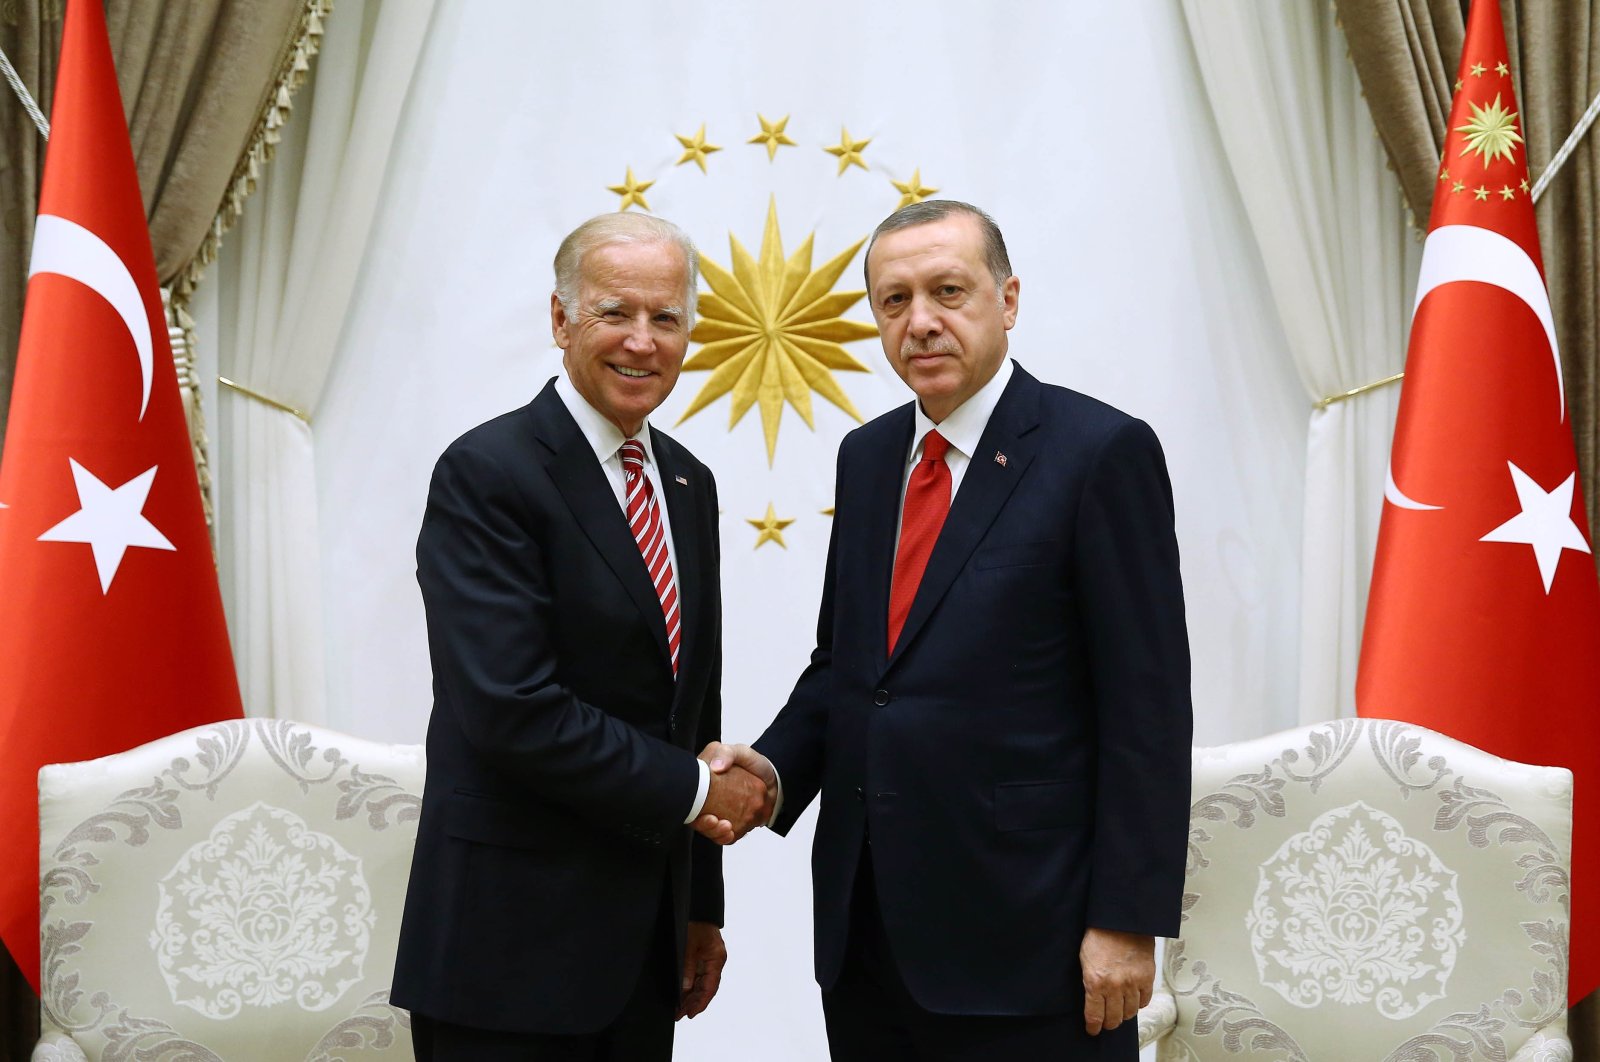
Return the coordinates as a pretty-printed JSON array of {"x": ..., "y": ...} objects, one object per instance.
[
  {"x": 111, "y": 520},
  {"x": 1545, "y": 523}
]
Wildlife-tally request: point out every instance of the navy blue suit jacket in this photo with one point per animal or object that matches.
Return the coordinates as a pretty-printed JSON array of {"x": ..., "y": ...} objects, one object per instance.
[
  {"x": 1021, "y": 762},
  {"x": 560, "y": 748}
]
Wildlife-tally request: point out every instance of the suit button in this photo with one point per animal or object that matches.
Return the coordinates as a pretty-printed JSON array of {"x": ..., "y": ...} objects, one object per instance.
[
  {"x": 861, "y": 796},
  {"x": 880, "y": 697}
]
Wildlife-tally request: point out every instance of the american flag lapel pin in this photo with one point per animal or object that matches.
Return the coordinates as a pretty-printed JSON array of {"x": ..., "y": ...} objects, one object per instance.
[
  {"x": 680, "y": 479},
  {"x": 1000, "y": 459}
]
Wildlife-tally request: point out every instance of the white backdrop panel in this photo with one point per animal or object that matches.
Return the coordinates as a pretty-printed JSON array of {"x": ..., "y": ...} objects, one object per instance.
[{"x": 1081, "y": 126}]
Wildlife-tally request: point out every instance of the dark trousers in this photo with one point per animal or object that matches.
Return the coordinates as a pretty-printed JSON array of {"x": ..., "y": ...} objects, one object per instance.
[
  {"x": 641, "y": 1033},
  {"x": 872, "y": 1017}
]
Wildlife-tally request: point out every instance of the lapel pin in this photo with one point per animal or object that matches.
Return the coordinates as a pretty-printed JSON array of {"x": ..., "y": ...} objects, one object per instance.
[
  {"x": 680, "y": 479},
  {"x": 1000, "y": 459}
]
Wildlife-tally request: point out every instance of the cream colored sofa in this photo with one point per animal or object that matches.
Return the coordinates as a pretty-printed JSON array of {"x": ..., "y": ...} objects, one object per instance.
[
  {"x": 232, "y": 892},
  {"x": 1369, "y": 891}
]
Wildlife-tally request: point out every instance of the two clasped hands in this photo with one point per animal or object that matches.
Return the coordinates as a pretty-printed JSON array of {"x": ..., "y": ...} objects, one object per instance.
[{"x": 743, "y": 795}]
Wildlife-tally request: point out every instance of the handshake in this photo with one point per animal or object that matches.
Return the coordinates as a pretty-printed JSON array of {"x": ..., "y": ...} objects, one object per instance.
[{"x": 743, "y": 793}]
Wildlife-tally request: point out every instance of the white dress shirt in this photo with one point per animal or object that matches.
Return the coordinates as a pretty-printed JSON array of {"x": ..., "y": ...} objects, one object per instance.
[
  {"x": 962, "y": 429},
  {"x": 606, "y": 439}
]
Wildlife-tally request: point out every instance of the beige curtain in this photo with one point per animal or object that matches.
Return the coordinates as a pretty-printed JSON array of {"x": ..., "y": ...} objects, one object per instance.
[
  {"x": 197, "y": 79},
  {"x": 1406, "y": 52},
  {"x": 205, "y": 84}
]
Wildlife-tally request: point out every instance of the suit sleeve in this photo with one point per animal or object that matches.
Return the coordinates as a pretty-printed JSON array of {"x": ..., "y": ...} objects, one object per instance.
[
  {"x": 491, "y": 616},
  {"x": 1131, "y": 593},
  {"x": 796, "y": 741},
  {"x": 705, "y": 862}
]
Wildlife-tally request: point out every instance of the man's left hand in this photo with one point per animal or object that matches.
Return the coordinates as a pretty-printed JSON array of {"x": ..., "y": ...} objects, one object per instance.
[
  {"x": 703, "y": 959},
  {"x": 1119, "y": 972}
]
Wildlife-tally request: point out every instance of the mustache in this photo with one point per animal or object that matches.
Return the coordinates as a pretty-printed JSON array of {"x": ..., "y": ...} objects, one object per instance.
[{"x": 934, "y": 345}]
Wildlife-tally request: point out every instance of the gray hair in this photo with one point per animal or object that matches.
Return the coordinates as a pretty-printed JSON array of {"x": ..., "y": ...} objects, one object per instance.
[
  {"x": 607, "y": 229},
  {"x": 994, "y": 245}
]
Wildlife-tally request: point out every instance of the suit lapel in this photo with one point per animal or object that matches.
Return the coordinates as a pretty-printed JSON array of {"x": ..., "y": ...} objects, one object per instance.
[
  {"x": 984, "y": 490},
  {"x": 688, "y": 541},
  {"x": 880, "y": 502},
  {"x": 582, "y": 483}
]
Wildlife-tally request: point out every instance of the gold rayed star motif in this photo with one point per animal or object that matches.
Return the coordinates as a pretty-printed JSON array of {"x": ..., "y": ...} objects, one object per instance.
[
  {"x": 695, "y": 148},
  {"x": 631, "y": 191},
  {"x": 772, "y": 135},
  {"x": 912, "y": 191},
  {"x": 770, "y": 528},
  {"x": 847, "y": 151},
  {"x": 1491, "y": 132},
  {"x": 772, "y": 332}
]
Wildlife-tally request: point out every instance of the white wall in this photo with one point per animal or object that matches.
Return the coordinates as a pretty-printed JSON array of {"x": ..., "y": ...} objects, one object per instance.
[{"x": 1081, "y": 125}]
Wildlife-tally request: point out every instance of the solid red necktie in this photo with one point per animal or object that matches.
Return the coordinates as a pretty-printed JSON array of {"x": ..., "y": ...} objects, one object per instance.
[
  {"x": 644, "y": 520},
  {"x": 927, "y": 504}
]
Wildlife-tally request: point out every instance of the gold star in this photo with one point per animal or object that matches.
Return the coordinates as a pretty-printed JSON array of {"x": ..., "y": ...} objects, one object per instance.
[
  {"x": 1444, "y": 175},
  {"x": 1458, "y": 187},
  {"x": 912, "y": 191},
  {"x": 1478, "y": 69},
  {"x": 1524, "y": 184},
  {"x": 847, "y": 151},
  {"x": 1481, "y": 194},
  {"x": 695, "y": 148},
  {"x": 1458, "y": 84},
  {"x": 826, "y": 512},
  {"x": 771, "y": 332},
  {"x": 770, "y": 528},
  {"x": 631, "y": 191},
  {"x": 772, "y": 135},
  {"x": 1491, "y": 132},
  {"x": 1508, "y": 192},
  {"x": 1502, "y": 69}
]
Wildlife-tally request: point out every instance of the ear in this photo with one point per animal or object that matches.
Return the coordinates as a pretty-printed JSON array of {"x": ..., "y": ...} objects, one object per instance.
[
  {"x": 559, "y": 324},
  {"x": 1008, "y": 295}
]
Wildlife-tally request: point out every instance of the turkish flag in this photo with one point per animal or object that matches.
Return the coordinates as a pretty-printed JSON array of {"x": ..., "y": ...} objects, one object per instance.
[
  {"x": 111, "y": 626},
  {"x": 1484, "y": 617}
]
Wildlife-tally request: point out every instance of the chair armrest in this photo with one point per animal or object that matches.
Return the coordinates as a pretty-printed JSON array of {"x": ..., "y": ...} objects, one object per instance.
[
  {"x": 1161, "y": 1016},
  {"x": 1546, "y": 1045},
  {"x": 56, "y": 1047}
]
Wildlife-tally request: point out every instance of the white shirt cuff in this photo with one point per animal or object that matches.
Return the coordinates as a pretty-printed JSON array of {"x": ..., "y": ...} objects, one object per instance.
[
  {"x": 700, "y": 792},
  {"x": 777, "y": 805}
]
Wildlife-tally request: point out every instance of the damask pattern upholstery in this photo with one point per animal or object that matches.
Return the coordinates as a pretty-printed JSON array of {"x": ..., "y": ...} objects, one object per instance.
[
  {"x": 1369, "y": 891},
  {"x": 230, "y": 892}
]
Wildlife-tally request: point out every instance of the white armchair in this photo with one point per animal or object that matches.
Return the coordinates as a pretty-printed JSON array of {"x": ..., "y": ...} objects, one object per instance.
[
  {"x": 230, "y": 892},
  {"x": 1369, "y": 891}
]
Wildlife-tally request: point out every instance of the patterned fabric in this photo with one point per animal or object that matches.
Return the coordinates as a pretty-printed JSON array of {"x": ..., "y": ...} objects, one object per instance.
[
  {"x": 230, "y": 892},
  {"x": 927, "y": 504},
  {"x": 644, "y": 520},
  {"x": 1369, "y": 890}
]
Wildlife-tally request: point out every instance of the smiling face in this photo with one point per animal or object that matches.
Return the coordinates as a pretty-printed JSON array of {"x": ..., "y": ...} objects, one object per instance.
[
  {"x": 628, "y": 331},
  {"x": 942, "y": 319}
]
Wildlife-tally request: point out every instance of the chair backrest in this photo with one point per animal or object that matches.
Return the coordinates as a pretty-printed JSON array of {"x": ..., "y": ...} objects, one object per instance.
[
  {"x": 230, "y": 892},
  {"x": 1366, "y": 889}
]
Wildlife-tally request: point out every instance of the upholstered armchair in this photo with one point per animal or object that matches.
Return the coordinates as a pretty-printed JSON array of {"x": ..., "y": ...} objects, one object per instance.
[
  {"x": 1369, "y": 891},
  {"x": 231, "y": 892}
]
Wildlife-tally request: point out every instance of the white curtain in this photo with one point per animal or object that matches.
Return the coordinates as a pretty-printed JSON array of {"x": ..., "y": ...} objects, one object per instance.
[
  {"x": 1331, "y": 226},
  {"x": 283, "y": 283}
]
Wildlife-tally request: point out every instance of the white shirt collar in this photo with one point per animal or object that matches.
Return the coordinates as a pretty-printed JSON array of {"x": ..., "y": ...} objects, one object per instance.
[
  {"x": 602, "y": 435},
  {"x": 964, "y": 426}
]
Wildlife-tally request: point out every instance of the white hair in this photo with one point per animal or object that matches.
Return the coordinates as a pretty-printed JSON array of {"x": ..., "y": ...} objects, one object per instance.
[{"x": 622, "y": 228}]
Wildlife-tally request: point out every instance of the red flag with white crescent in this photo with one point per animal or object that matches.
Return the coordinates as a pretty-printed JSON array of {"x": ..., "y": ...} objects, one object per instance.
[
  {"x": 111, "y": 626},
  {"x": 1484, "y": 617}
]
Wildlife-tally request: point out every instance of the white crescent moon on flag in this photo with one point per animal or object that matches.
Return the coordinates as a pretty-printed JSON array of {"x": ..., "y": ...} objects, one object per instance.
[
  {"x": 1467, "y": 252},
  {"x": 68, "y": 249}
]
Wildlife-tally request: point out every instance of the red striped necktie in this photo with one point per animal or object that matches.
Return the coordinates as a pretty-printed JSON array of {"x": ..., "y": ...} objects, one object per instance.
[
  {"x": 927, "y": 504},
  {"x": 644, "y": 519}
]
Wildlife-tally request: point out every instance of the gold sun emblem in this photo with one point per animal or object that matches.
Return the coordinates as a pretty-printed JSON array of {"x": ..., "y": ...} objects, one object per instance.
[
  {"x": 1491, "y": 132},
  {"x": 772, "y": 332}
]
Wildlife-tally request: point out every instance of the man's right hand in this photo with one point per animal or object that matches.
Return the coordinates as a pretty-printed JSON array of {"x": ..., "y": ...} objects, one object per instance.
[{"x": 736, "y": 803}]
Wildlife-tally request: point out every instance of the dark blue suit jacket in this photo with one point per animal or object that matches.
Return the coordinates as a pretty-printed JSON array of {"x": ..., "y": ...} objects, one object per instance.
[
  {"x": 1021, "y": 762},
  {"x": 560, "y": 748}
]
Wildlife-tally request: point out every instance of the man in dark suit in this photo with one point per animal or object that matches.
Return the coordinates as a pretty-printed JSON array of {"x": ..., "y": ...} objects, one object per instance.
[
  {"x": 568, "y": 564},
  {"x": 997, "y": 712}
]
